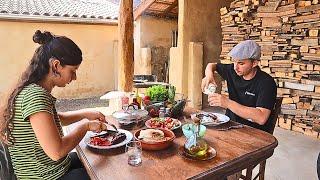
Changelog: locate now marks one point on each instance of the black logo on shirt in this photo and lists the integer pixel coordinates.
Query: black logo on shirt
(249, 93)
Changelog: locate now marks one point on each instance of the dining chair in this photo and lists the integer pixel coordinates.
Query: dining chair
(6, 169)
(262, 165)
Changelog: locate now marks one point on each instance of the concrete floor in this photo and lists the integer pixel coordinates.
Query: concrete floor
(295, 157)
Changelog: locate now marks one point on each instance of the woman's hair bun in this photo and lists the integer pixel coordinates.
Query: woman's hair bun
(42, 38)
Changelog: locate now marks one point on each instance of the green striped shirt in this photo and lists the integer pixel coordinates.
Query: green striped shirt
(28, 158)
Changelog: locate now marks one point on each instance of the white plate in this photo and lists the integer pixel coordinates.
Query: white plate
(129, 136)
(207, 121)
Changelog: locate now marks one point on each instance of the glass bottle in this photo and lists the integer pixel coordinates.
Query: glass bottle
(135, 102)
(195, 145)
(124, 102)
(162, 113)
(139, 99)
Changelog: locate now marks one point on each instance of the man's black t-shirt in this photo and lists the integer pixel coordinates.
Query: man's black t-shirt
(261, 91)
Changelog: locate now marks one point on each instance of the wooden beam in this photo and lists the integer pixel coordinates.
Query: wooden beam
(142, 7)
(126, 61)
(173, 5)
(163, 2)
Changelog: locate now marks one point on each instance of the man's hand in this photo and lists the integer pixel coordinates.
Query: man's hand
(206, 81)
(218, 100)
(209, 78)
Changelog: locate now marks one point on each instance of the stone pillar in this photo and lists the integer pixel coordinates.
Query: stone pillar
(145, 63)
(175, 70)
(195, 74)
(198, 21)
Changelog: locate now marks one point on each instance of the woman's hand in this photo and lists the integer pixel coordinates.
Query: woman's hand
(218, 100)
(96, 126)
(94, 115)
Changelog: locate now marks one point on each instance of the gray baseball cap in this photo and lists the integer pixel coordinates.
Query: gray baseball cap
(247, 49)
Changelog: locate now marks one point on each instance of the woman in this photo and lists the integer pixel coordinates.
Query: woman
(32, 126)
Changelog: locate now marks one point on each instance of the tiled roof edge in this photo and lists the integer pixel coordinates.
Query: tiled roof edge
(43, 19)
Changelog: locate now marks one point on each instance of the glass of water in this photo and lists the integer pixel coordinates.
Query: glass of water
(134, 151)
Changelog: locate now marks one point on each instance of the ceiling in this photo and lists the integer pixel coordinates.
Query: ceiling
(159, 8)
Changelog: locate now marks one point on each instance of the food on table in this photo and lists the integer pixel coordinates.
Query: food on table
(152, 135)
(177, 108)
(171, 93)
(146, 100)
(153, 112)
(107, 139)
(157, 93)
(167, 123)
(207, 117)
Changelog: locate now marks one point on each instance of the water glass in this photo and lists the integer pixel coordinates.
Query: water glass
(134, 151)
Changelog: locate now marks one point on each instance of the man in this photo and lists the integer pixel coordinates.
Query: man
(252, 92)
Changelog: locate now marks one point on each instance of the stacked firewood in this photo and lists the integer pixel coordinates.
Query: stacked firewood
(288, 33)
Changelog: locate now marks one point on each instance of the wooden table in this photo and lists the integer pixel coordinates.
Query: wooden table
(237, 149)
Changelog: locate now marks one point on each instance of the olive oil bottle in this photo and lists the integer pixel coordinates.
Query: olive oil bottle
(195, 145)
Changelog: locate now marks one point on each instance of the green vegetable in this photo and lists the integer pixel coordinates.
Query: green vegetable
(171, 93)
(157, 93)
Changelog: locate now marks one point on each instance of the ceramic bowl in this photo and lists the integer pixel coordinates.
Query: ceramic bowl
(160, 145)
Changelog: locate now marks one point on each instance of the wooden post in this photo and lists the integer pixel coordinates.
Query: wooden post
(126, 60)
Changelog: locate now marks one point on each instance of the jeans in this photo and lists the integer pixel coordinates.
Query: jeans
(76, 170)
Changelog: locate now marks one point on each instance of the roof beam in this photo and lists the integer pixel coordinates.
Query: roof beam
(164, 2)
(142, 7)
(173, 5)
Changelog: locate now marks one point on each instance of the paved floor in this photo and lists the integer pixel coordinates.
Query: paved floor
(294, 158)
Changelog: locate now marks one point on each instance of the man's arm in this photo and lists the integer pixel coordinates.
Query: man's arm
(210, 69)
(258, 115)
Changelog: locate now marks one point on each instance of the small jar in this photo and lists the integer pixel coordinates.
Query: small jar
(162, 112)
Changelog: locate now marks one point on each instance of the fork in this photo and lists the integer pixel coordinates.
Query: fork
(114, 126)
(231, 127)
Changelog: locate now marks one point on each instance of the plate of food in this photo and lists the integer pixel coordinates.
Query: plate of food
(165, 123)
(211, 119)
(154, 139)
(108, 139)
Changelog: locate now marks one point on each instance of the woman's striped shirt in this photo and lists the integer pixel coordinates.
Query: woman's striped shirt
(28, 158)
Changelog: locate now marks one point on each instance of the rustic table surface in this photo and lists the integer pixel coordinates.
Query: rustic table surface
(237, 149)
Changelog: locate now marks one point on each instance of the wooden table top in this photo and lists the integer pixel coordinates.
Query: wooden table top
(236, 149)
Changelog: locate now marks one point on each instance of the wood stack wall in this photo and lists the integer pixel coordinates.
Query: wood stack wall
(288, 33)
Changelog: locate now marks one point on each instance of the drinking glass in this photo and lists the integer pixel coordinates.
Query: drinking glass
(134, 151)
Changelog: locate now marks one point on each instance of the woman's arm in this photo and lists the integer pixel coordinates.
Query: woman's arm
(70, 117)
(47, 133)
